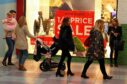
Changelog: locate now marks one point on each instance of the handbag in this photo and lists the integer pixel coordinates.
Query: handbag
(87, 42)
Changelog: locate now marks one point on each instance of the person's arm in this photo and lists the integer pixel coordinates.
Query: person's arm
(120, 31)
(28, 33)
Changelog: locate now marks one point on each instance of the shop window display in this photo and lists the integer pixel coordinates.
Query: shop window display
(49, 9)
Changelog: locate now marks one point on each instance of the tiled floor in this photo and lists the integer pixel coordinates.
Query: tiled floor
(33, 75)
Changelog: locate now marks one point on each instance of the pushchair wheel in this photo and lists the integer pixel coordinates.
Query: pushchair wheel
(44, 66)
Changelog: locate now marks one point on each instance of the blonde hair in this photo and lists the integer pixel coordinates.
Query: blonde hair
(99, 25)
(22, 21)
(9, 14)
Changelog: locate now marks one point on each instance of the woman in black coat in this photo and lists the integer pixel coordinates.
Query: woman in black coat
(66, 44)
(115, 33)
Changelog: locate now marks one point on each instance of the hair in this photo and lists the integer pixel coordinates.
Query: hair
(99, 25)
(12, 11)
(65, 21)
(116, 20)
(8, 14)
(22, 21)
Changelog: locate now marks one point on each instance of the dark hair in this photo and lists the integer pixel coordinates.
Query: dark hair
(65, 21)
(116, 20)
(12, 11)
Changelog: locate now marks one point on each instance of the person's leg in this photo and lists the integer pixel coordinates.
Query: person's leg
(23, 59)
(102, 67)
(8, 53)
(60, 64)
(111, 56)
(12, 49)
(69, 72)
(20, 54)
(86, 66)
(116, 58)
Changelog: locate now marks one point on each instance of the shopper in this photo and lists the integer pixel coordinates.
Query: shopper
(96, 49)
(66, 44)
(21, 41)
(9, 29)
(115, 34)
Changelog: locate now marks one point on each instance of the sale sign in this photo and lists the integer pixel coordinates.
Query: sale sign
(81, 22)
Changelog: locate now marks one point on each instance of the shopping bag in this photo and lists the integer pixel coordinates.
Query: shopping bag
(78, 44)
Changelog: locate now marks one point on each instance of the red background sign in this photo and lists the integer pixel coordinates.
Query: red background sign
(81, 22)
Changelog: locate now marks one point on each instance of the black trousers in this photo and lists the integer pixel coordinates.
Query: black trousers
(115, 59)
(89, 62)
(65, 53)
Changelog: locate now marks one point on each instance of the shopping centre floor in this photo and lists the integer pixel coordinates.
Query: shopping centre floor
(33, 75)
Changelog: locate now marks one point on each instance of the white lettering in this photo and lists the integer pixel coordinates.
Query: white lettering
(77, 30)
(87, 30)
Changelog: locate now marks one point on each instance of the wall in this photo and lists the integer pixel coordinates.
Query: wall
(122, 11)
(122, 14)
(5, 6)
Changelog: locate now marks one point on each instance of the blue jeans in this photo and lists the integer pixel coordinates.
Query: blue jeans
(10, 44)
(23, 54)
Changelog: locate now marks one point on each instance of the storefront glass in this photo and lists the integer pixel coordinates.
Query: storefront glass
(83, 13)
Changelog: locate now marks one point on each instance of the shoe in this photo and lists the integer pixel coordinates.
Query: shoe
(59, 74)
(22, 68)
(116, 65)
(70, 73)
(107, 77)
(4, 63)
(85, 76)
(9, 63)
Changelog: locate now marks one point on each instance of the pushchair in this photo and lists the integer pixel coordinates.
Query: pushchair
(43, 50)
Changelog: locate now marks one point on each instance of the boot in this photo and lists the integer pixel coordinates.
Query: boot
(22, 68)
(70, 73)
(107, 77)
(59, 74)
(4, 63)
(84, 76)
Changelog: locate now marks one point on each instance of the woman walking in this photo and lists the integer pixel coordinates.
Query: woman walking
(96, 49)
(66, 44)
(21, 41)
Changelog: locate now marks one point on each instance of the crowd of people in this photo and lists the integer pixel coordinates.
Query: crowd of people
(17, 31)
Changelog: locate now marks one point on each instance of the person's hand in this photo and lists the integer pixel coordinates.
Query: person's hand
(115, 34)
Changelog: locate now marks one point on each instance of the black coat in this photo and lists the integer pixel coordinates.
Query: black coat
(112, 30)
(65, 38)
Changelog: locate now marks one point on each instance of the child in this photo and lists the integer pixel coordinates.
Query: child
(9, 25)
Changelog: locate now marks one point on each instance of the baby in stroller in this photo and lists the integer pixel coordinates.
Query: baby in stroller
(43, 50)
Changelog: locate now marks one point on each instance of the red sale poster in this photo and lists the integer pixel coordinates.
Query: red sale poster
(81, 22)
